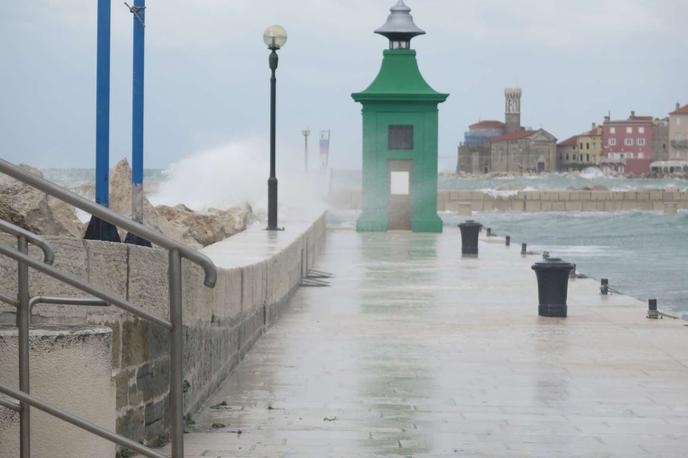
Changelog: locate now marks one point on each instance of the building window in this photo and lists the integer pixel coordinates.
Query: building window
(629, 130)
(574, 157)
(612, 142)
(641, 142)
(641, 130)
(628, 142)
(400, 137)
(567, 156)
(588, 158)
(587, 146)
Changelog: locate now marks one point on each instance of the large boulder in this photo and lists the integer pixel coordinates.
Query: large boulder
(206, 228)
(34, 210)
(197, 229)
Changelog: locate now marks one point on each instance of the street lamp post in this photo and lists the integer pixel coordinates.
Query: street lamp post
(306, 132)
(274, 37)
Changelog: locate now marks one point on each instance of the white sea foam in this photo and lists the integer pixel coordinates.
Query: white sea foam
(235, 175)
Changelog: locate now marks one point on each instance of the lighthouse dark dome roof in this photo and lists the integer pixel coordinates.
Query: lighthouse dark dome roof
(400, 25)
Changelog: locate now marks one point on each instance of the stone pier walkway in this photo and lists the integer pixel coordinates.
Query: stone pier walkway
(414, 351)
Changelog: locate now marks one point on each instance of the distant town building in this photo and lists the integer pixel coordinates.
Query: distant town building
(495, 146)
(627, 144)
(475, 154)
(660, 140)
(678, 134)
(581, 151)
(525, 151)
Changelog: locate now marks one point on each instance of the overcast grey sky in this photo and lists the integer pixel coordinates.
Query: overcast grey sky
(207, 75)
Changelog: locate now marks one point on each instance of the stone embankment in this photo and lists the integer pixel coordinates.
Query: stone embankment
(543, 201)
(258, 271)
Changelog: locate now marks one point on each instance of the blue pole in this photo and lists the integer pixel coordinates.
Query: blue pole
(103, 104)
(139, 17)
(98, 229)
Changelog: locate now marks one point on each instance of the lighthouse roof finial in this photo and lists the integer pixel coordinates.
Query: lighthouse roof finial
(400, 25)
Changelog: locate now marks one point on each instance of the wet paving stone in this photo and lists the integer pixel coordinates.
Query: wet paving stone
(416, 351)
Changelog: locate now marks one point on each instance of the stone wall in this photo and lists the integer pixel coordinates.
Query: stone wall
(221, 323)
(537, 201)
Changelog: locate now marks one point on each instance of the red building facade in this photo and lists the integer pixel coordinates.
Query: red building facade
(627, 144)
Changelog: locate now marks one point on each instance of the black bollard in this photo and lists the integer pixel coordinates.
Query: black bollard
(604, 286)
(553, 283)
(573, 272)
(507, 241)
(469, 237)
(524, 249)
(652, 312)
(489, 232)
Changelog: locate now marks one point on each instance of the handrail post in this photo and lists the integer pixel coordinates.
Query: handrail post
(23, 321)
(176, 354)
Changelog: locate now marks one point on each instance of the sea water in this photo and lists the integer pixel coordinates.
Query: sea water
(643, 254)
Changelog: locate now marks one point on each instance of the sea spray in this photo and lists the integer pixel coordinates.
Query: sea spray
(236, 174)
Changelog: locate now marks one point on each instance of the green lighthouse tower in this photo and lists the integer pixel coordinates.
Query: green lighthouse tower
(399, 137)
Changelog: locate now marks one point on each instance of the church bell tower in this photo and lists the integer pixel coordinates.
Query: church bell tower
(512, 109)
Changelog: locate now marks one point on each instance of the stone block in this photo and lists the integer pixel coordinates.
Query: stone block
(546, 206)
(574, 205)
(643, 195)
(592, 206)
(71, 258)
(564, 195)
(107, 266)
(517, 205)
(477, 196)
(618, 195)
(533, 205)
(583, 195)
(148, 280)
(489, 205)
(70, 368)
(612, 205)
(670, 196)
(630, 196)
(142, 342)
(656, 196)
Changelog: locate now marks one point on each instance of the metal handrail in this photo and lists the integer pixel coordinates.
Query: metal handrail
(48, 253)
(81, 301)
(78, 284)
(80, 422)
(112, 217)
(176, 251)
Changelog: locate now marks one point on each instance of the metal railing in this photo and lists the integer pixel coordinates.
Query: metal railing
(24, 304)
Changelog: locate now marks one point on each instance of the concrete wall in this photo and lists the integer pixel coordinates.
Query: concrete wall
(537, 201)
(221, 323)
(70, 368)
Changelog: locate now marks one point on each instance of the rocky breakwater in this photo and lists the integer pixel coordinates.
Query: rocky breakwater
(34, 210)
(41, 214)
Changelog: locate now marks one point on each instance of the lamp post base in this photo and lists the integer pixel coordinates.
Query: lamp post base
(272, 204)
(134, 239)
(101, 230)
